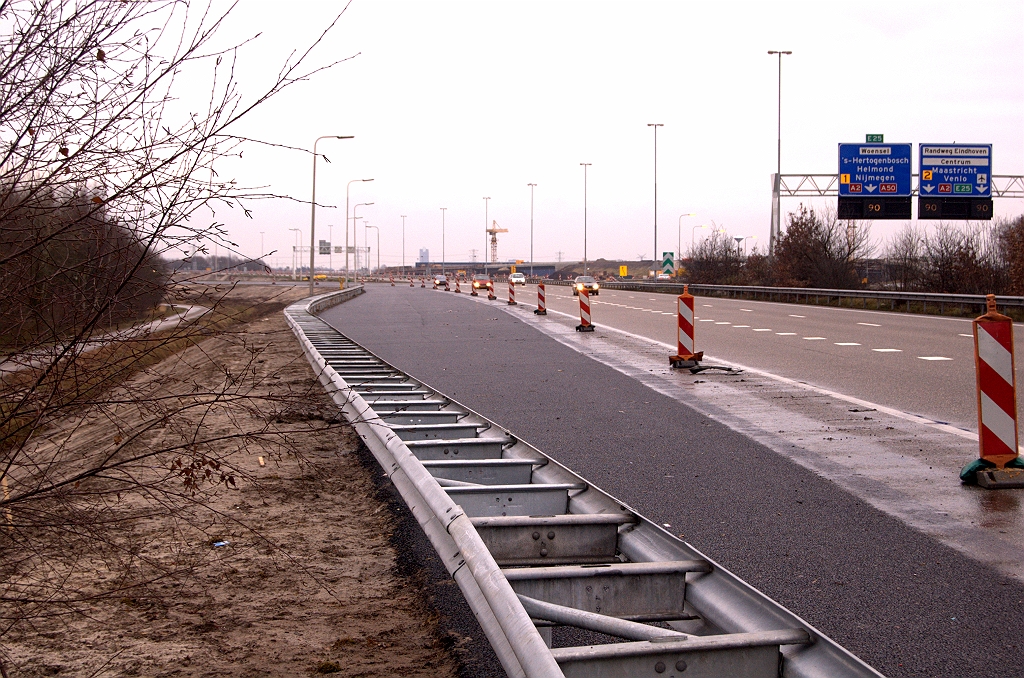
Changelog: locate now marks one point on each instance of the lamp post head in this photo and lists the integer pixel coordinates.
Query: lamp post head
(772, 51)
(366, 180)
(655, 124)
(337, 137)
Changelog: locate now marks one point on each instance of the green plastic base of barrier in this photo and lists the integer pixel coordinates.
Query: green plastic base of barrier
(969, 473)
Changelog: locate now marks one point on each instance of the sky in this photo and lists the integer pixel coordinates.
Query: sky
(449, 102)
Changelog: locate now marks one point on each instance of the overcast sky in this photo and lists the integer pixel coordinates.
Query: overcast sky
(453, 101)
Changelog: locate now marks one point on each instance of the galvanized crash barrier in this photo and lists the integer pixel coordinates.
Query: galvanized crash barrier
(533, 545)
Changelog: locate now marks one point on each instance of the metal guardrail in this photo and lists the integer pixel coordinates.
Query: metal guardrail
(795, 294)
(531, 544)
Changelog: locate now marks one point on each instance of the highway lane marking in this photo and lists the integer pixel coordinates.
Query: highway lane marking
(707, 305)
(747, 310)
(781, 334)
(932, 357)
(706, 320)
(763, 329)
(967, 335)
(663, 313)
(888, 350)
(723, 323)
(814, 338)
(793, 315)
(741, 325)
(906, 416)
(870, 324)
(846, 343)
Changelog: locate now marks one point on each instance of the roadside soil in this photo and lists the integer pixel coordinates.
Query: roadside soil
(292, 572)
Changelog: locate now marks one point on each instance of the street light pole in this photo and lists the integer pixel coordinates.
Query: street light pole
(679, 230)
(532, 186)
(693, 236)
(312, 217)
(355, 234)
(443, 210)
(353, 221)
(487, 223)
(585, 165)
(330, 247)
(296, 252)
(655, 125)
(775, 230)
(368, 227)
(403, 244)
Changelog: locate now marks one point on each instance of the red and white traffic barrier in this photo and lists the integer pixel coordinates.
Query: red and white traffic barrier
(458, 289)
(392, 280)
(585, 324)
(512, 294)
(542, 308)
(685, 357)
(997, 390)
(423, 283)
(435, 283)
(447, 285)
(412, 283)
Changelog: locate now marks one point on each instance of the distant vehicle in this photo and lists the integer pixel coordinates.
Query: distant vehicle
(440, 279)
(483, 281)
(664, 276)
(517, 278)
(320, 276)
(586, 282)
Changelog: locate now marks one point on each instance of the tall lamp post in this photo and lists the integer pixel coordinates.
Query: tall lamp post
(296, 253)
(443, 210)
(679, 230)
(330, 247)
(346, 221)
(368, 227)
(655, 125)
(532, 186)
(777, 184)
(585, 165)
(403, 244)
(312, 217)
(355, 232)
(693, 236)
(487, 223)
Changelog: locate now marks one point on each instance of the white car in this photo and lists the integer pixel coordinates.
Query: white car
(517, 278)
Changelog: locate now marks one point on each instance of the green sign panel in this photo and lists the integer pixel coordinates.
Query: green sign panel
(668, 262)
(874, 138)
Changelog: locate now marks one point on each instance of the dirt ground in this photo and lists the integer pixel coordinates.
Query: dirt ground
(293, 571)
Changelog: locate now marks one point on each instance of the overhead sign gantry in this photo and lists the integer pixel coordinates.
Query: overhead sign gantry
(875, 181)
(956, 181)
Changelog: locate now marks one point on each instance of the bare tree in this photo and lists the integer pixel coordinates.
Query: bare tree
(103, 174)
(715, 260)
(818, 250)
(904, 260)
(962, 260)
(1011, 244)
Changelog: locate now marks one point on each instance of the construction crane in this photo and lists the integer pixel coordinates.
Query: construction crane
(494, 231)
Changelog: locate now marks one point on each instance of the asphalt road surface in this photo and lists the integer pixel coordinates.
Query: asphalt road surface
(898, 598)
(921, 364)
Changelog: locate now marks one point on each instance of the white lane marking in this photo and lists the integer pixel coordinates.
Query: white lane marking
(723, 323)
(932, 357)
(869, 324)
(793, 315)
(663, 313)
(967, 335)
(906, 416)
(741, 325)
(847, 343)
(785, 334)
(814, 338)
(888, 350)
(706, 305)
(747, 310)
(763, 329)
(706, 320)
(632, 297)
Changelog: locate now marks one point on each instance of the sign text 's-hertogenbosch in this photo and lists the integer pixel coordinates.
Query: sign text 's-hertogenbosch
(956, 170)
(867, 170)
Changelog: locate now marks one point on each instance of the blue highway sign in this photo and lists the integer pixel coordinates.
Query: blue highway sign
(874, 170)
(956, 170)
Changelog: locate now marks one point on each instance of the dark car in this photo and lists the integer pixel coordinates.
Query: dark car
(482, 281)
(586, 282)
